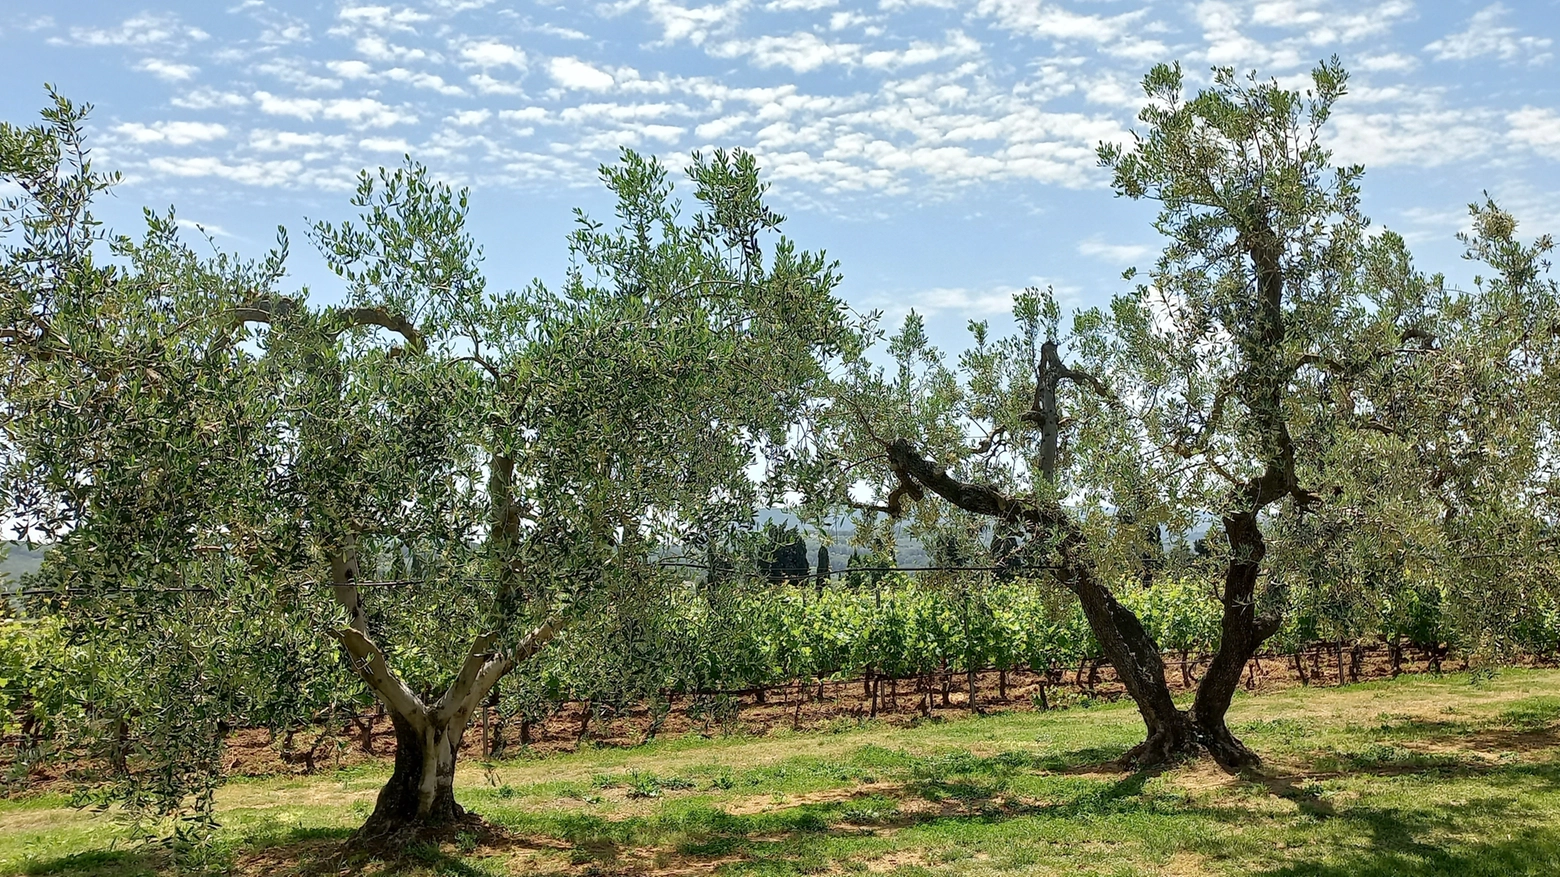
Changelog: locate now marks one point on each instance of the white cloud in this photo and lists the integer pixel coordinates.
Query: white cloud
(173, 133)
(252, 173)
(1226, 45)
(490, 53)
(167, 71)
(1314, 27)
(488, 85)
(379, 49)
(804, 5)
(801, 51)
(843, 20)
(576, 74)
(145, 30)
(964, 301)
(204, 228)
(717, 129)
(419, 79)
(1423, 138)
(694, 24)
(553, 30)
(385, 144)
(528, 114)
(301, 107)
(295, 141)
(1390, 61)
(285, 33)
(958, 45)
(350, 69)
(663, 133)
(296, 72)
(1050, 21)
(209, 99)
(367, 113)
(1485, 35)
(383, 17)
(1323, 22)
(1537, 129)
(364, 112)
(466, 118)
(1119, 253)
(804, 51)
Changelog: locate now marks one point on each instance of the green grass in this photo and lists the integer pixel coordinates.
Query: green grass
(1421, 775)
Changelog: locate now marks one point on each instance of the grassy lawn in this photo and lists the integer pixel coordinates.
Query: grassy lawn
(1421, 775)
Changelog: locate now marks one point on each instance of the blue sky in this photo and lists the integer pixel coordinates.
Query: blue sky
(943, 151)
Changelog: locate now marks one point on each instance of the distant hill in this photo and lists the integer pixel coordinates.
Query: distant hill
(908, 552)
(19, 560)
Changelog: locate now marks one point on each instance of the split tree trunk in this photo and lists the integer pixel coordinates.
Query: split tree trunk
(421, 790)
(1242, 632)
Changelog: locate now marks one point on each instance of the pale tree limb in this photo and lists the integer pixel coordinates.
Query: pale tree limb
(457, 704)
(477, 657)
(368, 659)
(375, 672)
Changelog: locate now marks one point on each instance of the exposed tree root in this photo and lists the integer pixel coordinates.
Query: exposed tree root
(393, 839)
(1183, 739)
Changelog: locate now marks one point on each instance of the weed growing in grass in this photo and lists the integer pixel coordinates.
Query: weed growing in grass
(643, 785)
(1481, 677)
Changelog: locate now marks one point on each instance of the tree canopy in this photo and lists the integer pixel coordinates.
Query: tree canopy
(436, 476)
(1282, 390)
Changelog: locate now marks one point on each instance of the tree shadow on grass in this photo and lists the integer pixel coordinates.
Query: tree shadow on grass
(101, 863)
(1401, 843)
(958, 794)
(814, 837)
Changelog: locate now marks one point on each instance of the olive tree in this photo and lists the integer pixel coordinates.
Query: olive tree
(1448, 488)
(416, 487)
(1220, 395)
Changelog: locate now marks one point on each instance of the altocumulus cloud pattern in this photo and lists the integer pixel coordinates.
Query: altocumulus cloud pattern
(862, 113)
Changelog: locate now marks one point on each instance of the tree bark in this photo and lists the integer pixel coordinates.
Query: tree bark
(1242, 632)
(1135, 657)
(421, 790)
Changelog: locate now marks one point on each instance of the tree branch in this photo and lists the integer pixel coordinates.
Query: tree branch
(270, 309)
(369, 662)
(477, 657)
(975, 498)
(497, 665)
(385, 320)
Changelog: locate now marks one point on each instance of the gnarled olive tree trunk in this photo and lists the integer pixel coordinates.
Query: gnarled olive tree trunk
(421, 791)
